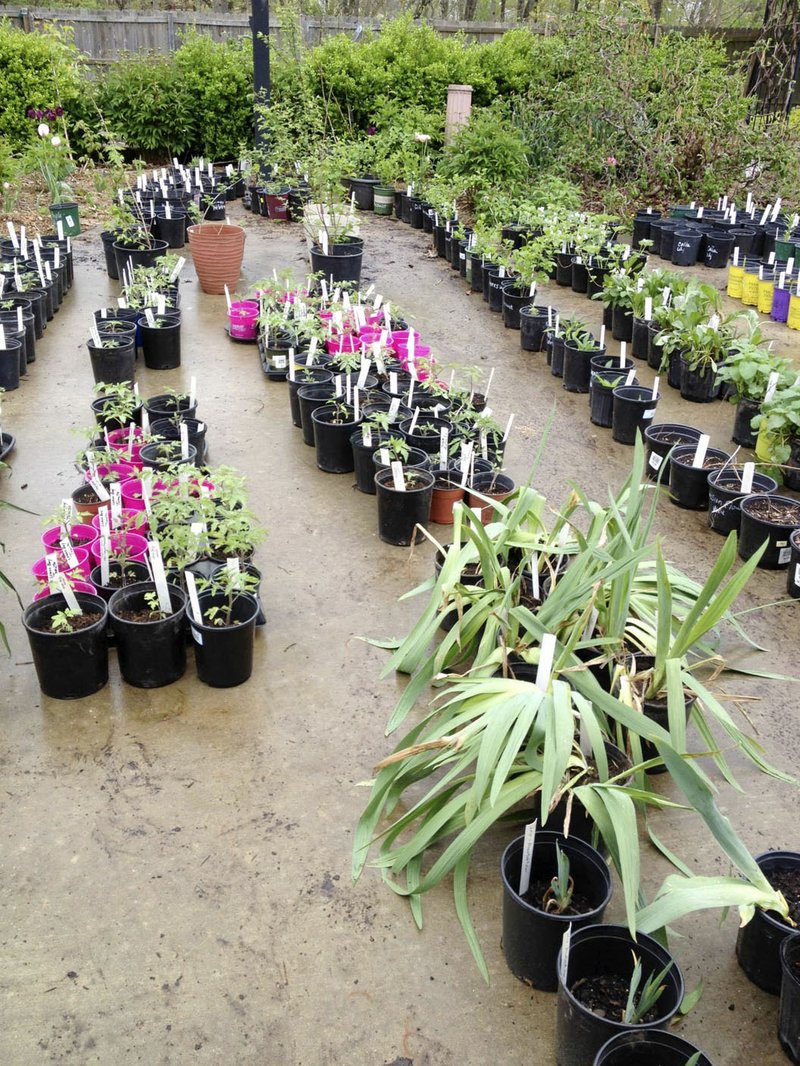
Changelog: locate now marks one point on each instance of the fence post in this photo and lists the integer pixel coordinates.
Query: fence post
(172, 43)
(27, 20)
(459, 106)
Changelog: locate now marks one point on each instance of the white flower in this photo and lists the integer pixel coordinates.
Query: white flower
(422, 138)
(43, 129)
(6, 184)
(55, 141)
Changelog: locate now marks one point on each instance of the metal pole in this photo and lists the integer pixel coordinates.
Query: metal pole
(259, 25)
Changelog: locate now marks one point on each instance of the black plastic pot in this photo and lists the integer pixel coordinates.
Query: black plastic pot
(718, 246)
(332, 440)
(640, 338)
(496, 283)
(532, 325)
(758, 943)
(655, 352)
(686, 247)
(161, 344)
(165, 406)
(161, 455)
(577, 368)
(363, 190)
(641, 226)
(608, 949)
(172, 230)
(113, 365)
(486, 273)
(688, 485)
(513, 301)
(793, 570)
(476, 272)
(531, 936)
(337, 266)
(10, 357)
(168, 429)
(108, 238)
(789, 1011)
(580, 276)
(660, 440)
(309, 398)
(136, 571)
(134, 257)
(363, 464)
(151, 654)
(68, 666)
(654, 1047)
(601, 394)
(557, 355)
(399, 513)
(633, 411)
(564, 269)
(224, 654)
(310, 376)
(697, 385)
(743, 433)
(622, 324)
(725, 496)
(27, 335)
(426, 442)
(754, 530)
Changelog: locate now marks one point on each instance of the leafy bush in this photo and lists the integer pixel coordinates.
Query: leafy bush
(487, 151)
(197, 102)
(40, 71)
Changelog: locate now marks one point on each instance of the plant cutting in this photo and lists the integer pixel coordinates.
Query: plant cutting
(117, 405)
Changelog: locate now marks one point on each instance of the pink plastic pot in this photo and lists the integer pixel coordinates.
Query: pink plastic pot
(134, 544)
(400, 336)
(123, 471)
(131, 493)
(39, 568)
(76, 586)
(243, 320)
(131, 520)
(343, 342)
(80, 535)
(118, 440)
(421, 352)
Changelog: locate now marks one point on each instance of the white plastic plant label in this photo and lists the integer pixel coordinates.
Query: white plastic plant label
(797, 573)
(51, 564)
(337, 386)
(648, 308)
(105, 574)
(655, 461)
(115, 491)
(410, 398)
(366, 436)
(444, 437)
(394, 408)
(68, 550)
(183, 429)
(414, 419)
(747, 477)
(772, 384)
(362, 374)
(509, 424)
(397, 476)
(12, 233)
(631, 375)
(159, 577)
(191, 588)
(527, 857)
(784, 555)
(563, 957)
(654, 393)
(547, 649)
(384, 456)
(393, 381)
(700, 450)
(66, 591)
(489, 384)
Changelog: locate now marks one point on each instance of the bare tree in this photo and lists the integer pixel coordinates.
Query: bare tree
(775, 61)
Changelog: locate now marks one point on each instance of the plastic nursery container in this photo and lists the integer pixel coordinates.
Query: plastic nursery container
(634, 408)
(79, 534)
(243, 320)
(68, 666)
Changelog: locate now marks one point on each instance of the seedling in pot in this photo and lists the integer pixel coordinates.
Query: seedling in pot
(558, 897)
(230, 583)
(61, 622)
(153, 605)
(119, 401)
(639, 1004)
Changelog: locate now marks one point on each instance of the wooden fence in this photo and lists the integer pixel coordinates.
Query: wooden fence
(104, 35)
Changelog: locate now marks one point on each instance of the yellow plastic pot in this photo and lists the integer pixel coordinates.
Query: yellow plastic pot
(793, 321)
(735, 280)
(765, 442)
(750, 283)
(766, 290)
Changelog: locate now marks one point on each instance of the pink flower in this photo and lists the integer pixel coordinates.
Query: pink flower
(612, 161)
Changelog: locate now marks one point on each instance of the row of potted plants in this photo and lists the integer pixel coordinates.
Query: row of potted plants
(152, 547)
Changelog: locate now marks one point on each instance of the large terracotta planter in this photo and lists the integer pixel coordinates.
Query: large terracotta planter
(217, 250)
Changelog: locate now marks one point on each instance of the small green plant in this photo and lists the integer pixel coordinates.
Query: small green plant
(558, 897)
(397, 449)
(229, 583)
(153, 603)
(120, 401)
(640, 1003)
(61, 622)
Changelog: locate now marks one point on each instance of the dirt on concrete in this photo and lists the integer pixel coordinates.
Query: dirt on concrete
(177, 862)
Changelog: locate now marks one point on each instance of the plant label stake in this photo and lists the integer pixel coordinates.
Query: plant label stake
(394, 407)
(348, 388)
(148, 314)
(648, 308)
(527, 857)
(547, 649)
(488, 384)
(563, 963)
(790, 265)
(191, 588)
(602, 334)
(623, 351)
(366, 436)
(51, 562)
(68, 550)
(700, 451)
(776, 210)
(95, 335)
(397, 476)
(393, 381)
(192, 391)
(183, 429)
(65, 589)
(535, 587)
(228, 298)
(654, 394)
(384, 456)
(747, 477)
(631, 375)
(362, 374)
(410, 400)
(159, 577)
(20, 323)
(443, 442)
(772, 384)
(356, 411)
(146, 488)
(105, 575)
(115, 491)
(508, 427)
(414, 418)
(337, 386)
(12, 234)
(484, 446)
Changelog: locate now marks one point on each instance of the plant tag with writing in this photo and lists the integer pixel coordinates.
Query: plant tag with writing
(66, 591)
(159, 577)
(384, 456)
(394, 408)
(183, 429)
(362, 374)
(535, 587)
(700, 450)
(191, 588)
(392, 381)
(654, 394)
(12, 233)
(623, 353)
(366, 436)
(115, 491)
(444, 435)
(105, 575)
(563, 956)
(747, 477)
(527, 857)
(772, 384)
(337, 386)
(397, 476)
(631, 376)
(410, 400)
(414, 418)
(68, 550)
(51, 564)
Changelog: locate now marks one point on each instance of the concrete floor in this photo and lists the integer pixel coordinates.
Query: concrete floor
(176, 863)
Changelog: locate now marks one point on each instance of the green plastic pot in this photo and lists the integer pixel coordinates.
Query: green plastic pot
(384, 199)
(69, 215)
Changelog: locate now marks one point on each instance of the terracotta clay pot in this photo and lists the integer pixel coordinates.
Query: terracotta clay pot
(217, 250)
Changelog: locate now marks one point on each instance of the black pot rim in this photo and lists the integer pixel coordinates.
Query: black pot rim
(753, 497)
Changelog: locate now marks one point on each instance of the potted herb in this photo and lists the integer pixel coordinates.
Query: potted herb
(150, 637)
(334, 423)
(223, 620)
(404, 502)
(69, 644)
(117, 405)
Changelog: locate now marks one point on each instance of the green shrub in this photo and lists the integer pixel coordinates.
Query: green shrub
(39, 71)
(487, 151)
(196, 102)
